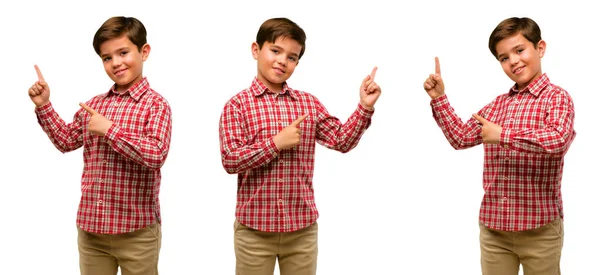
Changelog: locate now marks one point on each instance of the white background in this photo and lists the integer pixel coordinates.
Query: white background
(403, 202)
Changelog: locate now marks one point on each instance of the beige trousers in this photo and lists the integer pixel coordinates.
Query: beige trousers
(136, 253)
(538, 250)
(256, 251)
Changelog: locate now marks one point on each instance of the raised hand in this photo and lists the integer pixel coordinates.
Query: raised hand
(369, 90)
(289, 136)
(490, 132)
(39, 91)
(98, 125)
(434, 85)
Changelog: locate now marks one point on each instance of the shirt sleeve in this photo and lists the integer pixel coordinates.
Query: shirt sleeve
(332, 134)
(554, 139)
(460, 135)
(151, 148)
(237, 153)
(65, 137)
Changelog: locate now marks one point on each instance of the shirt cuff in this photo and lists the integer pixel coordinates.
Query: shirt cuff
(505, 138)
(44, 111)
(440, 102)
(113, 133)
(364, 112)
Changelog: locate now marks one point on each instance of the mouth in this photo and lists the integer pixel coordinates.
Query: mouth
(120, 72)
(518, 70)
(279, 70)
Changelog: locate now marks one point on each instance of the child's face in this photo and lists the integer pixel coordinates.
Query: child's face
(276, 61)
(520, 60)
(123, 62)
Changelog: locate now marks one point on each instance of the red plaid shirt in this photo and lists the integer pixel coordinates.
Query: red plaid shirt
(275, 190)
(121, 174)
(522, 174)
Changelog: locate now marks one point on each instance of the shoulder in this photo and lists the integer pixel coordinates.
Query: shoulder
(239, 100)
(156, 97)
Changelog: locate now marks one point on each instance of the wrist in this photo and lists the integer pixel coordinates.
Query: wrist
(370, 108)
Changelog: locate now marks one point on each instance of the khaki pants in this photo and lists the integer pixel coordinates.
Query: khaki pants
(256, 251)
(538, 250)
(135, 252)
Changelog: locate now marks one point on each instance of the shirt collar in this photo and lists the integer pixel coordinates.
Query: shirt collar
(136, 91)
(535, 88)
(258, 88)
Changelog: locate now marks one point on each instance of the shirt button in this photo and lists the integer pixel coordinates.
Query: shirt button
(100, 180)
(99, 201)
(280, 180)
(505, 178)
(505, 199)
(506, 146)
(280, 200)
(506, 159)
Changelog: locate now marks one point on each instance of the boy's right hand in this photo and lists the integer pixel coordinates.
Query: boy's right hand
(39, 91)
(434, 85)
(289, 136)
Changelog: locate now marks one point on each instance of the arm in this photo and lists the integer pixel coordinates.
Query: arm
(237, 155)
(460, 135)
(152, 147)
(332, 134)
(65, 137)
(554, 139)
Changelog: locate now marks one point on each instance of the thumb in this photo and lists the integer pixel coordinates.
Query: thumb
(297, 121)
(88, 109)
(480, 119)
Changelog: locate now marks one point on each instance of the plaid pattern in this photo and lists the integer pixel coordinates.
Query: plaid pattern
(522, 174)
(275, 189)
(121, 174)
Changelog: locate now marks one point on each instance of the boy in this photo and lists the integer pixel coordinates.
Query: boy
(267, 134)
(526, 134)
(125, 134)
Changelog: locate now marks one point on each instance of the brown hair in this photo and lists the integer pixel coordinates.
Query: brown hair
(275, 28)
(116, 27)
(514, 25)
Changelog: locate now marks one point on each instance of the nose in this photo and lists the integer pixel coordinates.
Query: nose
(514, 59)
(116, 61)
(281, 59)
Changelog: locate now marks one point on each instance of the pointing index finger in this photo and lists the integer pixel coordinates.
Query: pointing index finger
(373, 73)
(479, 118)
(39, 73)
(438, 71)
(300, 119)
(88, 109)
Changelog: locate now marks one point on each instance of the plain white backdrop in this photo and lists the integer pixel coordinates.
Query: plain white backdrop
(402, 202)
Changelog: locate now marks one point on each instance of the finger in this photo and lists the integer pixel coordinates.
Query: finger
(373, 87)
(39, 73)
(300, 119)
(480, 119)
(438, 71)
(88, 109)
(373, 72)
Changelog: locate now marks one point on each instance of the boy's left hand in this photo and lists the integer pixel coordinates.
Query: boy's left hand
(369, 91)
(98, 125)
(490, 132)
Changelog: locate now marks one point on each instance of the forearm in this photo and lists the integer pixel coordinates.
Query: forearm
(65, 137)
(240, 159)
(332, 134)
(460, 135)
(149, 151)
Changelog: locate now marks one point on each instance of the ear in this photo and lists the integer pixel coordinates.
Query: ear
(255, 50)
(145, 51)
(541, 48)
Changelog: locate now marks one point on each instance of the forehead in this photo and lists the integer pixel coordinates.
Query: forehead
(510, 42)
(115, 44)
